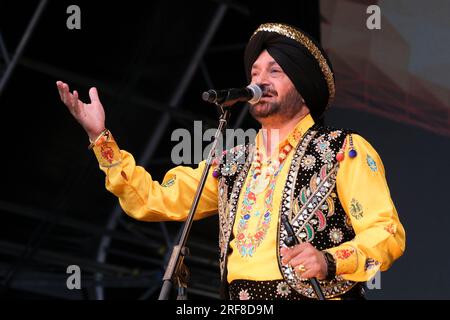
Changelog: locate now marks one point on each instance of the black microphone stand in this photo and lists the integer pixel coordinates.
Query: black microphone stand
(176, 270)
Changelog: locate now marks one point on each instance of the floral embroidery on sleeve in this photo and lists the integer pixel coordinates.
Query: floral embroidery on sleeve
(356, 209)
(372, 164)
(343, 254)
(371, 264)
(392, 228)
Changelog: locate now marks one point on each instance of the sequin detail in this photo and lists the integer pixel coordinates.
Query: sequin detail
(336, 235)
(372, 164)
(308, 162)
(169, 182)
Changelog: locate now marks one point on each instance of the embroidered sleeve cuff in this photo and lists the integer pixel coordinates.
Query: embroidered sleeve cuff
(107, 151)
(346, 259)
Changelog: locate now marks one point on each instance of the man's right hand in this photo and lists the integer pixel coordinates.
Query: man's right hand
(91, 116)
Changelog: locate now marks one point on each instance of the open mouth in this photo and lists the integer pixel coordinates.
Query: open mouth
(268, 95)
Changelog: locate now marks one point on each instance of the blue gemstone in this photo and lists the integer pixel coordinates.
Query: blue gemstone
(267, 214)
(247, 216)
(352, 153)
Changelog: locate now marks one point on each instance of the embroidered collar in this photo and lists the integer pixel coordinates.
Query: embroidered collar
(292, 138)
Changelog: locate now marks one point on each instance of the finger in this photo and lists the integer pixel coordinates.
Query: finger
(80, 104)
(289, 253)
(59, 91)
(309, 254)
(301, 258)
(66, 95)
(66, 87)
(75, 97)
(59, 85)
(302, 269)
(311, 272)
(93, 95)
(75, 103)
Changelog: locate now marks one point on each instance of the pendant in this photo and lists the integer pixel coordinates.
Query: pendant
(260, 184)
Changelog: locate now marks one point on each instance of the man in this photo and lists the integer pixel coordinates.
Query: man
(328, 183)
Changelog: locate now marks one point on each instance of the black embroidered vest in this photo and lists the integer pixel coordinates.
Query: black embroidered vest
(309, 200)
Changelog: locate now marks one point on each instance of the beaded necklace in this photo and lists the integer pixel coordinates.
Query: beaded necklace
(246, 242)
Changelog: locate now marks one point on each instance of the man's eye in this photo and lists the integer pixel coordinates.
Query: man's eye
(275, 70)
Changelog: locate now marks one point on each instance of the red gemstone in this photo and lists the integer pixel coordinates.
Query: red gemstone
(340, 156)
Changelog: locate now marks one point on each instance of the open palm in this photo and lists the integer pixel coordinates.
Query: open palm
(91, 116)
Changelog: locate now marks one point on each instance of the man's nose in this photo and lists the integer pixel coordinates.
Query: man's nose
(261, 79)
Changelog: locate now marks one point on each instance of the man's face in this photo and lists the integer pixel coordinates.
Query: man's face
(280, 99)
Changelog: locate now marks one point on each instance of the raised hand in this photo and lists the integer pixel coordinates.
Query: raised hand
(91, 116)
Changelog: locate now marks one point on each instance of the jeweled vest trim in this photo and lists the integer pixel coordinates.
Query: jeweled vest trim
(309, 200)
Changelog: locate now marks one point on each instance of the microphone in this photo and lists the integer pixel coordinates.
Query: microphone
(252, 94)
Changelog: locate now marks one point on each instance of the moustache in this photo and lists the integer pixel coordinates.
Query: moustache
(268, 91)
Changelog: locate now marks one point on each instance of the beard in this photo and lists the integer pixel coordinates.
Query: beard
(286, 107)
(263, 110)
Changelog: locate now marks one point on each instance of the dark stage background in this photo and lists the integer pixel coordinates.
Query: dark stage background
(150, 62)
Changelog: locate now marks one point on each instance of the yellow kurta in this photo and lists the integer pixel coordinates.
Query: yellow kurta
(361, 186)
(262, 264)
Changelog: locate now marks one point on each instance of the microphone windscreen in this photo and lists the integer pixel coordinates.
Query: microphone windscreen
(257, 93)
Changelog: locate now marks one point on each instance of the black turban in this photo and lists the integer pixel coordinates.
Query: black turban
(300, 57)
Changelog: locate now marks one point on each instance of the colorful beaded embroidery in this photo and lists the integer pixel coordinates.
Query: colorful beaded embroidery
(247, 243)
